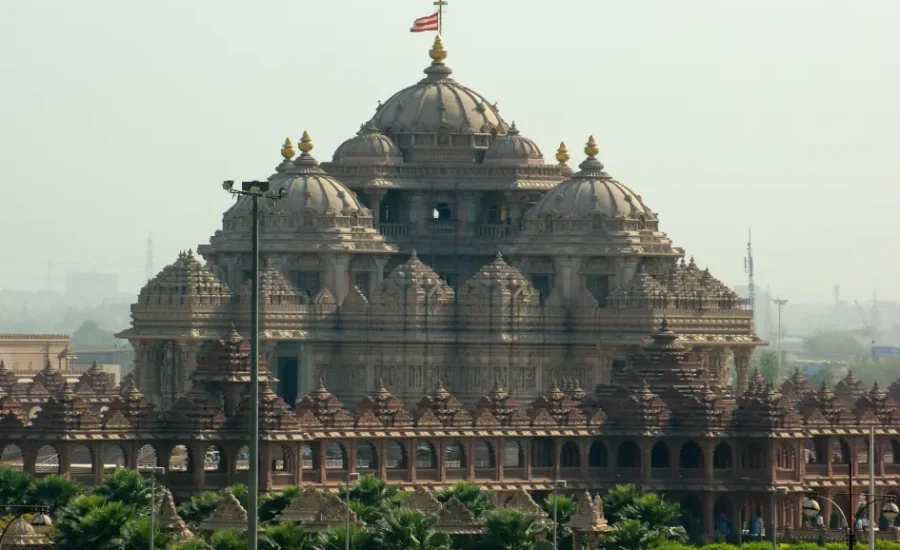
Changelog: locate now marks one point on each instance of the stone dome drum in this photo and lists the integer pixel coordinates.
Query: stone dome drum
(368, 146)
(310, 190)
(438, 112)
(588, 193)
(513, 149)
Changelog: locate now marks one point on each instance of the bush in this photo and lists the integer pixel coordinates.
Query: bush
(886, 545)
(678, 546)
(719, 546)
(757, 546)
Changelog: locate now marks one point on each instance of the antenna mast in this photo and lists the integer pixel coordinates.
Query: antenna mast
(748, 267)
(148, 266)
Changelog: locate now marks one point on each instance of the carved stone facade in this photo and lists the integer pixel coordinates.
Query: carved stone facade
(438, 245)
(663, 421)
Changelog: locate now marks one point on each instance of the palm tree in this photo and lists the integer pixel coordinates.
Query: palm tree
(92, 522)
(470, 495)
(405, 529)
(336, 538)
(272, 504)
(510, 530)
(288, 536)
(656, 515)
(127, 487)
(136, 535)
(14, 485)
(630, 534)
(54, 492)
(617, 499)
(371, 498)
(565, 509)
(228, 540)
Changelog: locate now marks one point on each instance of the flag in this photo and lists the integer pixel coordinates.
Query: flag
(424, 24)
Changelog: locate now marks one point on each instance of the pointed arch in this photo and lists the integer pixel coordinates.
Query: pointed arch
(11, 457)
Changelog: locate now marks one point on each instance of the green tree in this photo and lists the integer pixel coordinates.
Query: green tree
(630, 534)
(512, 530)
(272, 504)
(53, 492)
(128, 487)
(470, 495)
(14, 486)
(405, 529)
(336, 538)
(90, 521)
(228, 540)
(90, 336)
(565, 509)
(200, 507)
(136, 535)
(371, 498)
(767, 364)
(289, 536)
(617, 499)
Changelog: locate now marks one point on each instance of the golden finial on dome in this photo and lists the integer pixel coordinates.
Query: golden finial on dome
(591, 148)
(306, 143)
(562, 154)
(437, 52)
(287, 150)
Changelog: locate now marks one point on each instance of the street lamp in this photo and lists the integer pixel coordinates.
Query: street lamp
(890, 511)
(255, 190)
(154, 471)
(557, 484)
(350, 479)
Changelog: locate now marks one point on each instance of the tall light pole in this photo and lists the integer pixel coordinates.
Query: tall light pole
(780, 302)
(350, 479)
(154, 471)
(255, 190)
(557, 484)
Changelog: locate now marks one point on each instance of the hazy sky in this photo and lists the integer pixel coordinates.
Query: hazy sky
(118, 118)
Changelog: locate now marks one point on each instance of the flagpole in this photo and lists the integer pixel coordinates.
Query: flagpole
(440, 6)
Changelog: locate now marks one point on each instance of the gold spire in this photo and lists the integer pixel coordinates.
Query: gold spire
(287, 150)
(306, 143)
(437, 52)
(562, 154)
(591, 148)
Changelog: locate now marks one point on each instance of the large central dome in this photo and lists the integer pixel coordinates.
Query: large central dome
(438, 111)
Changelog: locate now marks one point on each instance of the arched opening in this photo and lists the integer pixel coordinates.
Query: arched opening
(785, 457)
(47, 460)
(113, 458)
(181, 460)
(242, 460)
(282, 459)
(542, 453)
(691, 517)
(569, 455)
(493, 209)
(722, 515)
(426, 459)
(840, 452)
(484, 455)
(442, 212)
(597, 457)
(146, 457)
(659, 455)
(396, 457)
(307, 457)
(691, 456)
(214, 460)
(392, 208)
(512, 455)
(82, 460)
(366, 457)
(335, 457)
(12, 458)
(629, 455)
(454, 456)
(753, 458)
(722, 457)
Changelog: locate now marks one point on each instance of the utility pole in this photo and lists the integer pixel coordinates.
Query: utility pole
(780, 303)
(254, 190)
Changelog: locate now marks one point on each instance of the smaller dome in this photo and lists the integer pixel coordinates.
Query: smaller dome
(369, 146)
(513, 149)
(590, 192)
(310, 190)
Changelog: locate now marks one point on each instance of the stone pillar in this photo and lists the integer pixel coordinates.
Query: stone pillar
(709, 453)
(826, 508)
(442, 467)
(321, 450)
(265, 467)
(198, 453)
(709, 518)
(411, 459)
(566, 272)
(468, 212)
(584, 446)
(527, 457)
(374, 197)
(65, 462)
(742, 368)
(470, 455)
(382, 459)
(339, 265)
(98, 449)
(350, 449)
(517, 203)
(557, 449)
(499, 457)
(416, 212)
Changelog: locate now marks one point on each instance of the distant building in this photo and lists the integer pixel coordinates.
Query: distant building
(29, 353)
(91, 287)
